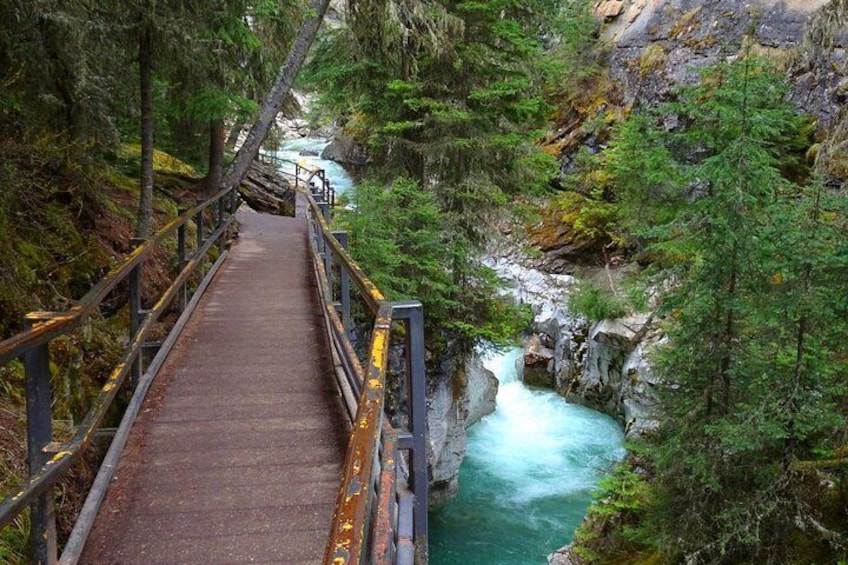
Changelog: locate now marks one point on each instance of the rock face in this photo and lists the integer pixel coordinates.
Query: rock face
(658, 44)
(617, 377)
(604, 365)
(293, 125)
(344, 150)
(457, 398)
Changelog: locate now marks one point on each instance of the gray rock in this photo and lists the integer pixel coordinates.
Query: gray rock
(604, 366)
(659, 44)
(538, 364)
(460, 397)
(481, 391)
(564, 556)
(344, 150)
(447, 439)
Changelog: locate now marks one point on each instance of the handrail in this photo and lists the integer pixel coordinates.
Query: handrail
(47, 460)
(381, 508)
(58, 324)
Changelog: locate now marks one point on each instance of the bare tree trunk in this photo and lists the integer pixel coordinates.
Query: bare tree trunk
(233, 136)
(216, 156)
(145, 65)
(274, 101)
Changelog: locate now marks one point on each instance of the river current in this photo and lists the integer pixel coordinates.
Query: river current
(527, 477)
(308, 150)
(531, 466)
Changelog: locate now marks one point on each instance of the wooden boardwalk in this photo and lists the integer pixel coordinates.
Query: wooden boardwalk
(236, 456)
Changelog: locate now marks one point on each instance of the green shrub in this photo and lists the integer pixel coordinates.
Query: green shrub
(597, 303)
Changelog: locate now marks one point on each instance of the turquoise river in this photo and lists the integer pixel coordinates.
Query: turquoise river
(530, 468)
(527, 477)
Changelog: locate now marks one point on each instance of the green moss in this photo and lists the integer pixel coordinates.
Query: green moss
(654, 57)
(597, 303)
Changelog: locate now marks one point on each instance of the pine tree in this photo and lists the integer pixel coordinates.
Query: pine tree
(448, 94)
(753, 358)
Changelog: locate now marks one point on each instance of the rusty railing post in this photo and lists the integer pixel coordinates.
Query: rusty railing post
(39, 399)
(344, 283)
(198, 220)
(413, 315)
(134, 281)
(181, 260)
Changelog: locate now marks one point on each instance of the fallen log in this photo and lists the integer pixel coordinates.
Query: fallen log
(266, 190)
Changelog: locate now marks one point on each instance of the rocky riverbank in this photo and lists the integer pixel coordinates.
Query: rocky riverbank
(603, 365)
(460, 396)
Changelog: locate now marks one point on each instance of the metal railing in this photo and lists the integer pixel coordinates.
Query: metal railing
(381, 509)
(49, 460)
(313, 177)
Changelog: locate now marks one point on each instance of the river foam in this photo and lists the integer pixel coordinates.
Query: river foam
(527, 477)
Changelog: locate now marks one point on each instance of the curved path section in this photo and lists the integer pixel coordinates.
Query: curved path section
(236, 456)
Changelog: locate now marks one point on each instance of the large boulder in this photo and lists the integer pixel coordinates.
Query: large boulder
(538, 364)
(458, 397)
(345, 150)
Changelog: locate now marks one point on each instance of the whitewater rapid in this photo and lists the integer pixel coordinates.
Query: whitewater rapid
(527, 477)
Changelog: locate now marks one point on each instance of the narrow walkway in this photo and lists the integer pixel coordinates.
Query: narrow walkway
(236, 456)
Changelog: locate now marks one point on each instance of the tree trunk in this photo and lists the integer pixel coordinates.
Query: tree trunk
(232, 138)
(216, 156)
(274, 101)
(145, 65)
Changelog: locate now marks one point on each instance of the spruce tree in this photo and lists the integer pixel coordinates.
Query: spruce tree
(448, 94)
(753, 362)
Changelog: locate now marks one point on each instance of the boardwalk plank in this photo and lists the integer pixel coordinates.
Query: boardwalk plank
(236, 457)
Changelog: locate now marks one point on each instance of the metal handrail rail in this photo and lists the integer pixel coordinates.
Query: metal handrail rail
(378, 517)
(61, 323)
(328, 191)
(49, 461)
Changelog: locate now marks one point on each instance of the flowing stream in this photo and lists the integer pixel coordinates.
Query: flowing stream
(308, 150)
(530, 468)
(527, 477)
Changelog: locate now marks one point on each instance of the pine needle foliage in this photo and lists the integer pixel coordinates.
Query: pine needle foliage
(449, 96)
(755, 361)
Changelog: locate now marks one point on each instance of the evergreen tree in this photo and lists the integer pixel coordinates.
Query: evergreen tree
(753, 360)
(447, 94)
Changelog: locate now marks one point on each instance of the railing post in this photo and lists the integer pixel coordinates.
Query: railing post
(221, 212)
(198, 220)
(39, 399)
(413, 314)
(296, 175)
(344, 283)
(181, 259)
(328, 266)
(135, 314)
